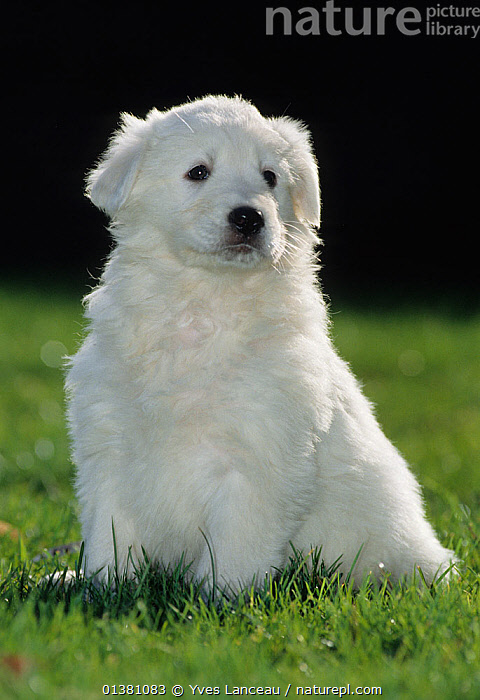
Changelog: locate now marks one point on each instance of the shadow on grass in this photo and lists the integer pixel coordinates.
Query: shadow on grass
(157, 596)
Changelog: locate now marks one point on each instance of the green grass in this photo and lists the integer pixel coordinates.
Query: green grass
(306, 629)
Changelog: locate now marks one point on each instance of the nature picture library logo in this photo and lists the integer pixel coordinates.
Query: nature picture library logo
(337, 19)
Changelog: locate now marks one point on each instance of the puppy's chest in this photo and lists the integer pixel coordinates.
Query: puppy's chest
(212, 359)
(242, 386)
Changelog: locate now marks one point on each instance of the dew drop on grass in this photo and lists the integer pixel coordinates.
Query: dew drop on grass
(25, 460)
(44, 449)
(411, 363)
(52, 353)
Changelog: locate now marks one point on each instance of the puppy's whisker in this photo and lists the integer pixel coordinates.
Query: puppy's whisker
(290, 248)
(307, 231)
(294, 232)
(292, 224)
(293, 243)
(184, 122)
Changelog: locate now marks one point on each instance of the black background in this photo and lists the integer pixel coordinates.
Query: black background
(394, 120)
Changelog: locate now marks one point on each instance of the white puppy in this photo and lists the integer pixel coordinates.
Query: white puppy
(207, 401)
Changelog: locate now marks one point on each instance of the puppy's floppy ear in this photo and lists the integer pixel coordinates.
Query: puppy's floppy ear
(109, 184)
(306, 189)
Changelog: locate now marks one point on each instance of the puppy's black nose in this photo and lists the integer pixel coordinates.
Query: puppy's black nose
(246, 220)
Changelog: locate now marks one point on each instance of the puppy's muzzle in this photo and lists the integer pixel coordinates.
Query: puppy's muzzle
(246, 223)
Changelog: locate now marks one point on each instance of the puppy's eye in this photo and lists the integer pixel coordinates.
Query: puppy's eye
(270, 178)
(199, 172)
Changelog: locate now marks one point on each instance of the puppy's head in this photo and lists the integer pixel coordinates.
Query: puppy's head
(211, 182)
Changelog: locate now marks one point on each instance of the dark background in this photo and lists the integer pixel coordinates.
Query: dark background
(394, 119)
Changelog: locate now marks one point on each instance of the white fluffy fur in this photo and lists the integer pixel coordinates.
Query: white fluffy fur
(207, 399)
